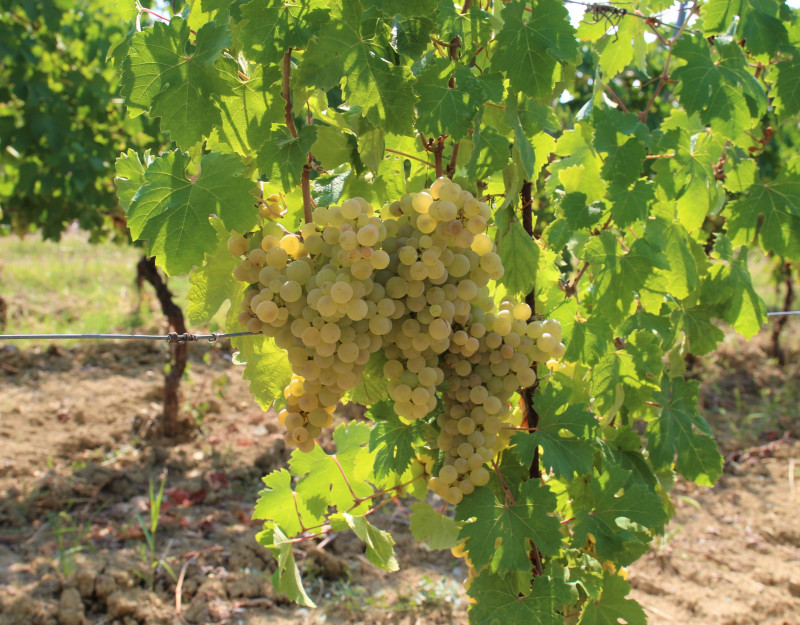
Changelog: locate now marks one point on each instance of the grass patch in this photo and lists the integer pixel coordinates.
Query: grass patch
(75, 287)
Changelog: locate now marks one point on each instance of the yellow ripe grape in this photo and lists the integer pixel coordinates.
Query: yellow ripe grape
(467, 486)
(546, 342)
(292, 244)
(421, 202)
(277, 257)
(449, 191)
(380, 325)
(380, 260)
(482, 244)
(351, 208)
(341, 292)
(552, 327)
(437, 186)
(439, 329)
(479, 476)
(426, 223)
(448, 474)
(453, 496)
(446, 211)
(307, 446)
(267, 311)
(368, 235)
(477, 225)
(237, 244)
(522, 311)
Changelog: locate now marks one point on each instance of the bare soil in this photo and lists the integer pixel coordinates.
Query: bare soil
(77, 457)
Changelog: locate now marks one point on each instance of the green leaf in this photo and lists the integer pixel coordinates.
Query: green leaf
(283, 156)
(270, 27)
(286, 578)
(619, 275)
(769, 212)
(499, 529)
(247, 111)
(394, 440)
(342, 54)
(612, 606)
(611, 505)
(171, 78)
(565, 455)
(171, 211)
(530, 45)
(213, 283)
(629, 205)
(576, 149)
(498, 600)
(277, 503)
(444, 108)
(520, 256)
(332, 147)
(787, 86)
(129, 176)
(688, 176)
(380, 544)
(577, 214)
(723, 90)
(373, 386)
(681, 434)
(760, 25)
(267, 369)
(431, 527)
(331, 480)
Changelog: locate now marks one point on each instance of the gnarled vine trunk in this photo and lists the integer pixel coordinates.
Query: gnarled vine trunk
(171, 425)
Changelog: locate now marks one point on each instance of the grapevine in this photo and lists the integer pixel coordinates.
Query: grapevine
(501, 231)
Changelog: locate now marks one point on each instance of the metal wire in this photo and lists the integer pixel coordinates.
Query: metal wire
(172, 337)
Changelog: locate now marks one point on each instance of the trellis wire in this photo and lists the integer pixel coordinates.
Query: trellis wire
(174, 337)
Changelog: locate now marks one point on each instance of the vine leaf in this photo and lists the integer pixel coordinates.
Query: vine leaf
(443, 109)
(175, 80)
(498, 600)
(269, 27)
(283, 156)
(286, 578)
(380, 544)
(723, 91)
(267, 368)
(342, 53)
(520, 256)
(760, 26)
(612, 606)
(566, 455)
(247, 111)
(787, 86)
(611, 506)
(427, 525)
(171, 210)
(530, 45)
(394, 440)
(277, 502)
(770, 211)
(500, 531)
(331, 480)
(682, 435)
(213, 283)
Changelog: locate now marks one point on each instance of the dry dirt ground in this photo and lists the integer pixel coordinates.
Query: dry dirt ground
(76, 462)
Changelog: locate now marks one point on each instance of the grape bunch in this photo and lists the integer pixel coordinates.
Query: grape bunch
(414, 283)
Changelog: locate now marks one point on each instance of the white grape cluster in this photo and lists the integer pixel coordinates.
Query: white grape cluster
(413, 283)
